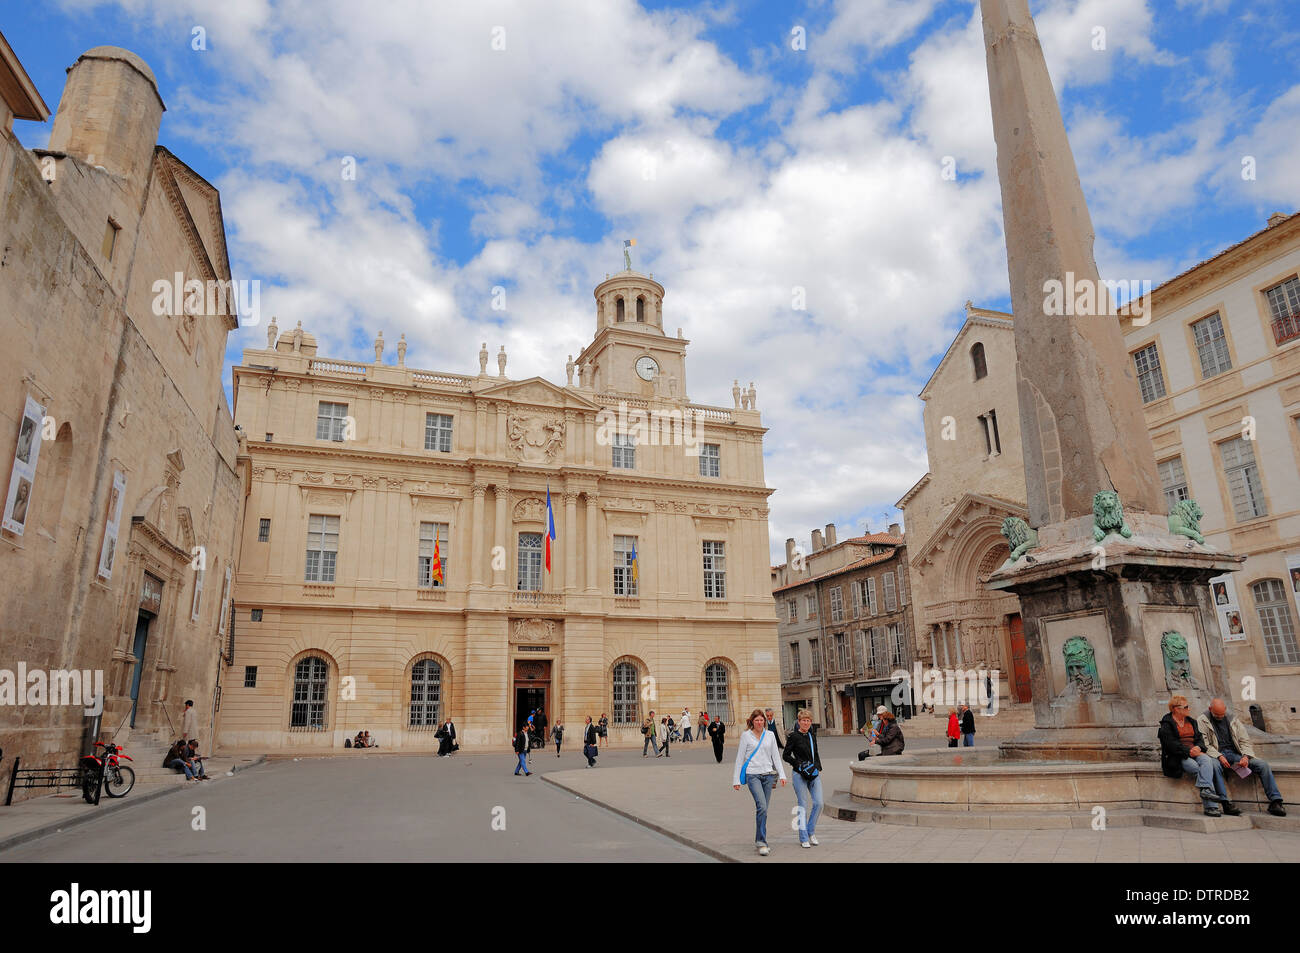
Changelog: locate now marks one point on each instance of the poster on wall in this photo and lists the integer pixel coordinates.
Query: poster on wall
(23, 477)
(1293, 575)
(1223, 593)
(108, 551)
(225, 602)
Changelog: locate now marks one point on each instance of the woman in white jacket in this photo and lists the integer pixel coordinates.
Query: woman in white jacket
(760, 761)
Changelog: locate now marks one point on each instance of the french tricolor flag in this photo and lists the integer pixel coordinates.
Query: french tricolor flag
(550, 527)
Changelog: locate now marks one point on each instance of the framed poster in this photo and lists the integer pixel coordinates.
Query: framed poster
(115, 501)
(1223, 593)
(18, 501)
(1293, 575)
(225, 602)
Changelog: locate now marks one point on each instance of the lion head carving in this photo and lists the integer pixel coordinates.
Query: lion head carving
(1108, 516)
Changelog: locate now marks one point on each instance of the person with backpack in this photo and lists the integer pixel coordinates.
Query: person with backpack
(651, 731)
(802, 753)
(758, 766)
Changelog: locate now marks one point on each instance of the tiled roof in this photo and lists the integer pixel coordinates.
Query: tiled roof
(860, 564)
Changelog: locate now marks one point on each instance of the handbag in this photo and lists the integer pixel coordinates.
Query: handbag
(589, 751)
(744, 768)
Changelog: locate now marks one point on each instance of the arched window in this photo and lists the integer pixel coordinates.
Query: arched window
(626, 696)
(426, 693)
(640, 309)
(717, 699)
(310, 691)
(619, 311)
(977, 359)
(1275, 622)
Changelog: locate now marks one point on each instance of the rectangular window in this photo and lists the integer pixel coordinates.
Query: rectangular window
(810, 606)
(437, 432)
(624, 451)
(871, 595)
(250, 676)
(843, 659)
(891, 598)
(322, 548)
(263, 530)
(1274, 608)
(1211, 346)
(837, 605)
(988, 437)
(715, 569)
(626, 572)
(530, 562)
(431, 534)
(993, 425)
(869, 648)
(1174, 481)
(198, 596)
(1147, 362)
(794, 661)
(1284, 303)
(710, 459)
(270, 437)
(815, 655)
(110, 239)
(792, 607)
(896, 638)
(855, 588)
(255, 615)
(1243, 479)
(330, 421)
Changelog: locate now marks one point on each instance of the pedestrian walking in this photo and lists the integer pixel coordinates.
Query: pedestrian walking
(758, 766)
(521, 749)
(771, 726)
(667, 724)
(967, 726)
(686, 725)
(718, 734)
(703, 726)
(802, 754)
(650, 729)
(447, 738)
(604, 729)
(590, 744)
(558, 734)
(954, 728)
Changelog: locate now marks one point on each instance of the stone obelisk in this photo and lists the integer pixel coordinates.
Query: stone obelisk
(1117, 613)
(1080, 413)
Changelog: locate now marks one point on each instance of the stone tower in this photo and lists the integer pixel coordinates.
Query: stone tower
(110, 113)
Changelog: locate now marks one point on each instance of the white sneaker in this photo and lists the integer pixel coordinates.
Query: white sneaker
(764, 850)
(813, 841)
(806, 844)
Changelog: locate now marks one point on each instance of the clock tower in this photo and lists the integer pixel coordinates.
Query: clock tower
(630, 353)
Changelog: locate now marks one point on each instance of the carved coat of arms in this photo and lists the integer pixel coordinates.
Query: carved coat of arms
(535, 438)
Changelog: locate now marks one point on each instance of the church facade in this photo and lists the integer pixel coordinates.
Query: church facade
(397, 565)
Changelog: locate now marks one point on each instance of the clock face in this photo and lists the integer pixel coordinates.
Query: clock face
(646, 368)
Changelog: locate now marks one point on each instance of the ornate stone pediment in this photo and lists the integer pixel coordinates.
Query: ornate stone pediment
(535, 438)
(538, 392)
(534, 630)
(530, 509)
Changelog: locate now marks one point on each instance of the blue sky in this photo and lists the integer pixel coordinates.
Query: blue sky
(746, 168)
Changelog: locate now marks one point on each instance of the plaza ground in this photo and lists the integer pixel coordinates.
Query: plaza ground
(377, 806)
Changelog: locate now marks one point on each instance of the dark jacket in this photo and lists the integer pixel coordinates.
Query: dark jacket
(771, 726)
(891, 737)
(1172, 748)
(718, 731)
(801, 748)
(589, 736)
(521, 742)
(179, 750)
(968, 722)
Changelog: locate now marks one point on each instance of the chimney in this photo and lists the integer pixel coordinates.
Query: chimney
(830, 534)
(895, 530)
(1277, 218)
(789, 551)
(816, 540)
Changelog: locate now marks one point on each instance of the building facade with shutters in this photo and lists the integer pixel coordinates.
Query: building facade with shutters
(395, 546)
(1216, 358)
(844, 627)
(123, 474)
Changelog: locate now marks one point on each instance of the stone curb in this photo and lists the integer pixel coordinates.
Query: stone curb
(673, 835)
(106, 806)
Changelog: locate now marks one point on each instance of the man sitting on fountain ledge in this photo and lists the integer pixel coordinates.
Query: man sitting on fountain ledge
(1182, 750)
(1226, 741)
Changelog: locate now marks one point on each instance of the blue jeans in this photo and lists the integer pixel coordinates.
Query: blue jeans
(686, 733)
(968, 739)
(760, 786)
(1209, 774)
(1260, 767)
(649, 743)
(178, 763)
(807, 792)
(523, 762)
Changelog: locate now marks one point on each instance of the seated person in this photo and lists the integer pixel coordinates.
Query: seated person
(1182, 750)
(178, 757)
(1226, 742)
(196, 760)
(360, 740)
(890, 738)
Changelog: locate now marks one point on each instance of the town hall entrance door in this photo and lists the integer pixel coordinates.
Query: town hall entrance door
(532, 684)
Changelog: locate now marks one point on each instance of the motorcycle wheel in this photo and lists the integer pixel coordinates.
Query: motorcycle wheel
(119, 781)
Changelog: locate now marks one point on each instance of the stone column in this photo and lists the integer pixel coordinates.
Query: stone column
(956, 638)
(943, 634)
(480, 428)
(478, 529)
(500, 447)
(593, 521)
(571, 544)
(934, 650)
(502, 517)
